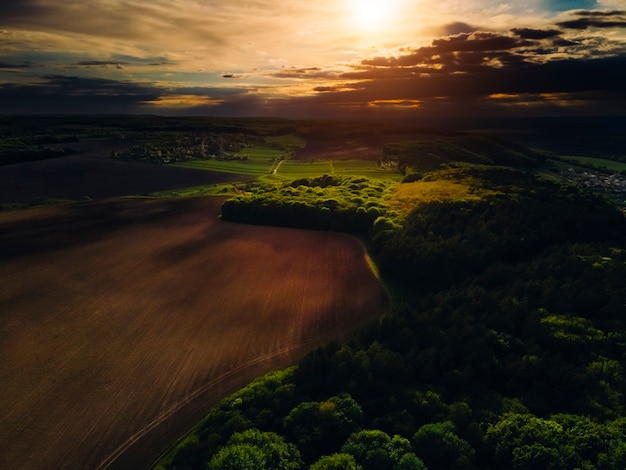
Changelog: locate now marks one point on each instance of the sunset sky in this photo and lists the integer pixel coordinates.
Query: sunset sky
(314, 58)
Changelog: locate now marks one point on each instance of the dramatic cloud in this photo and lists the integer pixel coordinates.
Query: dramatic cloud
(70, 94)
(596, 19)
(5, 65)
(529, 33)
(296, 58)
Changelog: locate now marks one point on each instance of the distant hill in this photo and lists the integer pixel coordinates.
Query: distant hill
(429, 152)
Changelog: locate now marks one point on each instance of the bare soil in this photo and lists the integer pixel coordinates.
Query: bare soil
(353, 148)
(122, 322)
(90, 173)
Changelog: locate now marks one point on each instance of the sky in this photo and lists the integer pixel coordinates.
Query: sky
(314, 58)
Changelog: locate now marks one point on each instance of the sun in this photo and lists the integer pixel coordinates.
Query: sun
(372, 14)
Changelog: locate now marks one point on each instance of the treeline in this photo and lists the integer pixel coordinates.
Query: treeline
(11, 152)
(505, 349)
(347, 204)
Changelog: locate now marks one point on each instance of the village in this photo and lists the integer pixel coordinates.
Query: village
(597, 180)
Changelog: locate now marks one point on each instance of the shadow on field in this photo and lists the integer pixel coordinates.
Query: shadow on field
(124, 321)
(76, 224)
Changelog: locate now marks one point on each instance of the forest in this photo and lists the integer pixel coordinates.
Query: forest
(503, 347)
(504, 343)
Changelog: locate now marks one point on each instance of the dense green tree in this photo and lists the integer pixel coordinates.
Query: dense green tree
(319, 428)
(254, 449)
(238, 457)
(439, 447)
(504, 347)
(337, 461)
(525, 441)
(376, 450)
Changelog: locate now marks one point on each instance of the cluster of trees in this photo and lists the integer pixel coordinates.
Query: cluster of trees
(19, 152)
(31, 143)
(504, 349)
(348, 204)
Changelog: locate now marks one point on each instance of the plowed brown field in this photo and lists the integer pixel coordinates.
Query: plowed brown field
(122, 322)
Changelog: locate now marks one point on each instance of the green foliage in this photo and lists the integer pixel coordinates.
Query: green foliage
(375, 450)
(504, 349)
(255, 449)
(20, 150)
(563, 442)
(439, 447)
(525, 441)
(238, 457)
(328, 202)
(336, 461)
(321, 427)
(441, 244)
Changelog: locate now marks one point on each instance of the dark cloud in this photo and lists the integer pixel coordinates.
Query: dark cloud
(63, 94)
(304, 72)
(7, 65)
(70, 94)
(377, 73)
(100, 63)
(562, 42)
(17, 10)
(478, 41)
(565, 76)
(130, 59)
(208, 92)
(596, 19)
(473, 68)
(605, 13)
(458, 28)
(242, 105)
(458, 53)
(529, 33)
(584, 23)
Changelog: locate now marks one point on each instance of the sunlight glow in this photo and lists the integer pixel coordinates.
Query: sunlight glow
(373, 14)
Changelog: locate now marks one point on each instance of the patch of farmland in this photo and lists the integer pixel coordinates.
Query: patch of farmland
(251, 166)
(597, 162)
(122, 322)
(353, 148)
(92, 174)
(293, 169)
(366, 168)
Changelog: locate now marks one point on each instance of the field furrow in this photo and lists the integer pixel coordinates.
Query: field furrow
(147, 314)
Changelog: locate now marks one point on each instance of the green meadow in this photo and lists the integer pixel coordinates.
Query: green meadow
(275, 164)
(600, 163)
(253, 165)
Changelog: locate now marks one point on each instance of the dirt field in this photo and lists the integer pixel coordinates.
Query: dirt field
(354, 148)
(123, 321)
(92, 174)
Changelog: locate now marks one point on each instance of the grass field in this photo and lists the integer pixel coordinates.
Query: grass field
(597, 162)
(293, 169)
(121, 317)
(407, 196)
(252, 166)
(269, 170)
